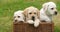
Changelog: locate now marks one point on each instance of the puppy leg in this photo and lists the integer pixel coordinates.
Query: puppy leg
(30, 22)
(45, 18)
(36, 23)
(48, 20)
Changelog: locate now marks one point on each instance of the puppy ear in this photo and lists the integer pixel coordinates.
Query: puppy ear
(45, 5)
(25, 12)
(38, 14)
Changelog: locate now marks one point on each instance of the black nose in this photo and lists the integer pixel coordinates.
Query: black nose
(15, 20)
(33, 18)
(55, 13)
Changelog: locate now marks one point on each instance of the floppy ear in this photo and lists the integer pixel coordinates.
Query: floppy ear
(25, 12)
(45, 6)
(38, 13)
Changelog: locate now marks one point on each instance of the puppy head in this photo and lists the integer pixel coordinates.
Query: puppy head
(31, 13)
(50, 7)
(18, 16)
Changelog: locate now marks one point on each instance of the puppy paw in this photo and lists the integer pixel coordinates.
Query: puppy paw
(36, 23)
(30, 22)
(48, 21)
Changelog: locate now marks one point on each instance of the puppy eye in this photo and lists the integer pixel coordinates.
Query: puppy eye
(52, 8)
(30, 13)
(18, 16)
(34, 13)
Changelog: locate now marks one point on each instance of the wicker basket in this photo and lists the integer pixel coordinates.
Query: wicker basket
(25, 27)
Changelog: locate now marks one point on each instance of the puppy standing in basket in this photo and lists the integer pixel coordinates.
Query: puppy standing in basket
(47, 11)
(18, 16)
(32, 15)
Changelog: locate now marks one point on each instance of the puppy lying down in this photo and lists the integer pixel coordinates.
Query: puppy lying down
(18, 16)
(47, 11)
(32, 16)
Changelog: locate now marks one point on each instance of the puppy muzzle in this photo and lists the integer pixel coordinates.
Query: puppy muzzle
(15, 20)
(33, 18)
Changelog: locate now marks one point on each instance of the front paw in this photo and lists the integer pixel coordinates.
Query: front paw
(30, 22)
(48, 21)
(36, 23)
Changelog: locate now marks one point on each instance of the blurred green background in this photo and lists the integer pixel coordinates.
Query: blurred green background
(8, 7)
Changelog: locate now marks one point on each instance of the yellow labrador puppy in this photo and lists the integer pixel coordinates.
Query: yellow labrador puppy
(32, 15)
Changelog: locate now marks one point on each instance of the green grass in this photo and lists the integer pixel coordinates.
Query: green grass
(8, 7)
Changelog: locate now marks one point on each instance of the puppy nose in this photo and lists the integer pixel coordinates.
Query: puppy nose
(15, 20)
(55, 12)
(33, 18)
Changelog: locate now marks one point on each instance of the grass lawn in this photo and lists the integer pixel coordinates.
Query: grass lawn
(8, 7)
